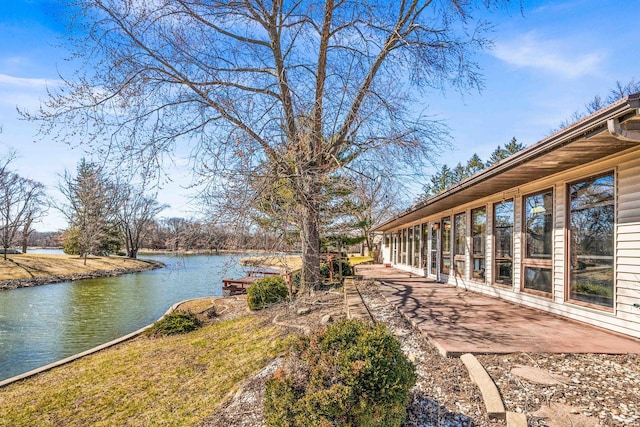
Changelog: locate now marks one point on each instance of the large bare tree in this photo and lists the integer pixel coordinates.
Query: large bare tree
(136, 213)
(303, 86)
(22, 200)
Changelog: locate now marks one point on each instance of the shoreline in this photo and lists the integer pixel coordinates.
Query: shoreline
(6, 285)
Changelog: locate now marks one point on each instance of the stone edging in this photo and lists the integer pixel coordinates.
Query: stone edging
(87, 352)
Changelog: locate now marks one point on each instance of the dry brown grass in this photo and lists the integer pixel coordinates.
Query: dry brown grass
(283, 263)
(26, 266)
(177, 380)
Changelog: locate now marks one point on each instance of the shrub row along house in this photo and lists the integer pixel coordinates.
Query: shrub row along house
(555, 226)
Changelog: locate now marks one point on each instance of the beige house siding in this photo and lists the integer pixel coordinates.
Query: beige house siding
(624, 318)
(628, 241)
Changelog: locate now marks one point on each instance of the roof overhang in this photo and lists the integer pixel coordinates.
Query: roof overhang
(608, 131)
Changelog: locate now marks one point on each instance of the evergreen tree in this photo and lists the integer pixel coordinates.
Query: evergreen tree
(459, 174)
(513, 147)
(446, 178)
(91, 210)
(498, 154)
(474, 165)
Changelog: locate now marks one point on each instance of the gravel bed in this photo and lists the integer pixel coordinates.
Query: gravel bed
(605, 388)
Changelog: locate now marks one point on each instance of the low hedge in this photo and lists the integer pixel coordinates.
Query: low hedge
(349, 374)
(177, 322)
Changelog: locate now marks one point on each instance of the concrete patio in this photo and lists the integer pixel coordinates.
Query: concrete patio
(458, 321)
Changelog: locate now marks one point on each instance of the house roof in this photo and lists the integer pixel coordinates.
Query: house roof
(582, 142)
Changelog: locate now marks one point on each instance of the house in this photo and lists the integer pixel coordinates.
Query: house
(555, 226)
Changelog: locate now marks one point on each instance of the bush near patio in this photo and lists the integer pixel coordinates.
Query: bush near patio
(349, 374)
(266, 291)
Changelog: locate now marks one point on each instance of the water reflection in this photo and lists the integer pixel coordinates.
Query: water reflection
(43, 324)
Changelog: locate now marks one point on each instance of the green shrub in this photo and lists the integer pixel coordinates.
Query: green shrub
(346, 268)
(266, 291)
(177, 322)
(350, 374)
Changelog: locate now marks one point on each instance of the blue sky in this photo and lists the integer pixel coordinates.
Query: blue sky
(548, 60)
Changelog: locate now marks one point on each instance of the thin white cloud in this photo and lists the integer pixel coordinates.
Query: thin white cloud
(557, 57)
(25, 82)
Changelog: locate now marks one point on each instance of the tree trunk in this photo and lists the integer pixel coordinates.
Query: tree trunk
(310, 234)
(26, 230)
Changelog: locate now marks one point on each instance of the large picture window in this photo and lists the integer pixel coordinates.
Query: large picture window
(478, 240)
(445, 254)
(591, 231)
(503, 243)
(460, 243)
(538, 229)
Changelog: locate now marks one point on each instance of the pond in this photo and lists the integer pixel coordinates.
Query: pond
(43, 324)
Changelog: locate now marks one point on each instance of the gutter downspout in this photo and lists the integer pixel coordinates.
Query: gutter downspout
(613, 125)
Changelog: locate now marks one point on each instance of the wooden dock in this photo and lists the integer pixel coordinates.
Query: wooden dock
(239, 286)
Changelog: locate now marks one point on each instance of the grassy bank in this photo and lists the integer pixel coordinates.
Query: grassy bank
(175, 380)
(289, 262)
(36, 266)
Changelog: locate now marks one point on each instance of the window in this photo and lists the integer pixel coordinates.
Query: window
(394, 249)
(416, 246)
(387, 238)
(478, 238)
(445, 254)
(403, 259)
(425, 246)
(503, 243)
(460, 243)
(591, 231)
(538, 229)
(434, 248)
(410, 245)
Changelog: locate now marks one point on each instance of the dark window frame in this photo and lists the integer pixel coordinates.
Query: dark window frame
(446, 244)
(478, 255)
(536, 263)
(569, 254)
(460, 258)
(496, 258)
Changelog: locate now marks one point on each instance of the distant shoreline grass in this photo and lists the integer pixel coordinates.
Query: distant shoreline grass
(24, 270)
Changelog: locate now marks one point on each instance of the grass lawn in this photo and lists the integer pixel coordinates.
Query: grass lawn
(278, 262)
(175, 380)
(355, 260)
(26, 266)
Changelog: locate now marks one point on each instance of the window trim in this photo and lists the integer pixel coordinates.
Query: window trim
(525, 262)
(567, 241)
